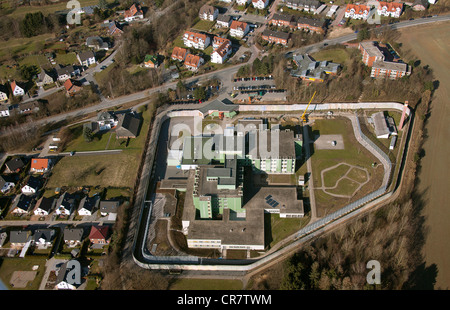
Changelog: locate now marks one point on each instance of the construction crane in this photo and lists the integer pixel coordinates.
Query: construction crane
(304, 113)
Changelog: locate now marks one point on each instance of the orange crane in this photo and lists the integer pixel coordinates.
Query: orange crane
(304, 113)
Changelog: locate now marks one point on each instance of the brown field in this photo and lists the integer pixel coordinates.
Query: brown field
(431, 44)
(115, 170)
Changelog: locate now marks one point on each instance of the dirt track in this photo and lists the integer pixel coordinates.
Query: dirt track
(431, 44)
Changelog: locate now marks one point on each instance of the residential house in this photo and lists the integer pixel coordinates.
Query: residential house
(208, 12)
(99, 234)
(283, 20)
(179, 53)
(223, 21)
(277, 37)
(420, 5)
(107, 120)
(260, 4)
(86, 58)
(151, 61)
(4, 110)
(18, 238)
(73, 236)
(128, 126)
(315, 25)
(43, 238)
(114, 29)
(14, 165)
(357, 11)
(40, 165)
(6, 183)
(72, 87)
(133, 13)
(97, 43)
(108, 207)
(239, 29)
(16, 89)
(64, 73)
(193, 62)
(392, 9)
(32, 186)
(65, 204)
(44, 78)
(305, 5)
(196, 40)
(3, 93)
(44, 206)
(222, 49)
(88, 205)
(370, 53)
(22, 205)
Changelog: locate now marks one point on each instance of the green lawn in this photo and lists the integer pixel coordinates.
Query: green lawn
(203, 25)
(277, 229)
(66, 59)
(353, 154)
(337, 55)
(9, 265)
(21, 11)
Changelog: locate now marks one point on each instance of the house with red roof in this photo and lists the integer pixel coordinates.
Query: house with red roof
(179, 53)
(72, 87)
(222, 48)
(40, 165)
(355, 11)
(196, 40)
(135, 12)
(99, 235)
(16, 89)
(239, 29)
(193, 62)
(392, 9)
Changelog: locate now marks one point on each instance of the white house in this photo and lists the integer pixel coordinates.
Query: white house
(31, 186)
(135, 12)
(196, 40)
(208, 12)
(260, 4)
(43, 237)
(239, 29)
(22, 205)
(86, 58)
(16, 89)
(62, 279)
(88, 205)
(354, 11)
(222, 49)
(65, 204)
(44, 206)
(223, 21)
(193, 62)
(4, 111)
(6, 184)
(3, 93)
(107, 120)
(392, 9)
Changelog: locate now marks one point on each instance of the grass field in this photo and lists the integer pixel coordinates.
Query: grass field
(337, 55)
(353, 154)
(431, 44)
(21, 11)
(8, 266)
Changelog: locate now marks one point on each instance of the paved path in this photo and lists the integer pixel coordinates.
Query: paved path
(325, 188)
